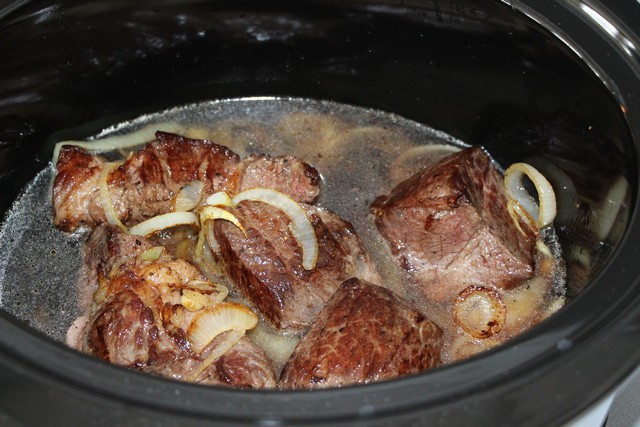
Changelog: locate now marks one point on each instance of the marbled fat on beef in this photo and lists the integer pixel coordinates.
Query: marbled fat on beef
(450, 228)
(266, 264)
(364, 334)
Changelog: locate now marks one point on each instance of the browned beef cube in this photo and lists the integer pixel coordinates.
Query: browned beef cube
(286, 174)
(364, 334)
(147, 183)
(131, 318)
(450, 228)
(266, 264)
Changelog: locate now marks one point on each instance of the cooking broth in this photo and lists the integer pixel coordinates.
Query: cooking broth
(360, 154)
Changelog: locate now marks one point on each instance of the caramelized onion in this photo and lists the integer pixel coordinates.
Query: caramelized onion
(189, 196)
(161, 222)
(194, 300)
(300, 226)
(212, 321)
(546, 212)
(479, 311)
(105, 197)
(209, 288)
(199, 294)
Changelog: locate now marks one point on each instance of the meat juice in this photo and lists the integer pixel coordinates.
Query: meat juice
(360, 154)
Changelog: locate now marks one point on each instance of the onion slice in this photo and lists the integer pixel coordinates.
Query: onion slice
(193, 300)
(189, 196)
(220, 198)
(513, 177)
(162, 222)
(212, 321)
(198, 294)
(518, 214)
(152, 254)
(479, 311)
(300, 226)
(207, 214)
(105, 197)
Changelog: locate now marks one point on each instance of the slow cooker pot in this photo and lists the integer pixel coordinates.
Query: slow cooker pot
(553, 79)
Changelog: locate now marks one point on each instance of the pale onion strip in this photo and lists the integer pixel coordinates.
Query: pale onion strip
(213, 292)
(152, 254)
(220, 198)
(207, 214)
(543, 249)
(189, 196)
(105, 197)
(162, 222)
(133, 139)
(209, 236)
(231, 338)
(300, 226)
(609, 208)
(517, 213)
(205, 285)
(212, 321)
(564, 188)
(193, 300)
(514, 175)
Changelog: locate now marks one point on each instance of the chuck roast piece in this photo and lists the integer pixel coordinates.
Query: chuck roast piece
(364, 334)
(137, 319)
(266, 264)
(450, 228)
(146, 184)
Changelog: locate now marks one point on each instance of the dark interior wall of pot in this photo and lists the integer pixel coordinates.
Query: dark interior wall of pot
(468, 68)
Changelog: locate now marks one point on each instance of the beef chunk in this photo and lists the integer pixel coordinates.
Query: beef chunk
(76, 189)
(245, 365)
(146, 184)
(364, 334)
(450, 228)
(286, 174)
(266, 264)
(137, 319)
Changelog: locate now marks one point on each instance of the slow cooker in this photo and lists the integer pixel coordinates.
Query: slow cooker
(554, 79)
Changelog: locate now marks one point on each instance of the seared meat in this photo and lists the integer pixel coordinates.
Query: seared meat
(138, 320)
(76, 189)
(244, 366)
(266, 264)
(450, 228)
(286, 174)
(364, 334)
(147, 183)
